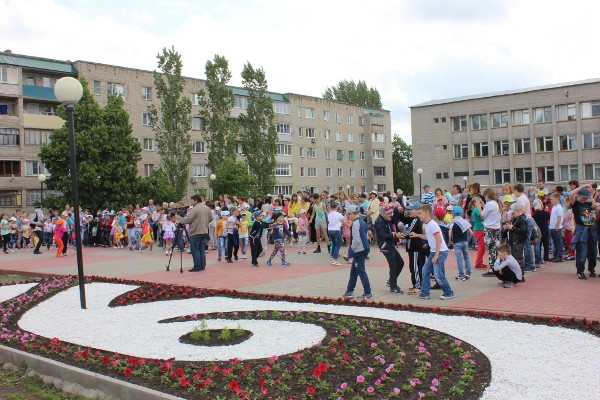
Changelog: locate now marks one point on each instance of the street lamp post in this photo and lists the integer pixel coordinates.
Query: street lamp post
(212, 178)
(68, 91)
(420, 172)
(42, 179)
(465, 179)
(348, 189)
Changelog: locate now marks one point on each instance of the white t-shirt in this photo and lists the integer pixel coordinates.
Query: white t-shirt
(522, 199)
(432, 229)
(557, 211)
(231, 222)
(335, 221)
(491, 215)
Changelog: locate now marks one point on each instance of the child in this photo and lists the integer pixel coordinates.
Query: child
(506, 268)
(147, 239)
(556, 217)
(346, 224)
(59, 231)
(569, 228)
(293, 224)
(255, 235)
(302, 232)
(516, 232)
(221, 234)
(279, 231)
(4, 231)
(460, 234)
(243, 231)
(335, 232)
(437, 256)
(541, 217)
(48, 229)
(233, 237)
(414, 246)
(117, 232)
(26, 233)
(169, 234)
(359, 250)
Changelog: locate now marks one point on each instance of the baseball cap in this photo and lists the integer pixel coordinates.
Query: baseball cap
(457, 210)
(217, 208)
(224, 213)
(256, 214)
(439, 212)
(449, 208)
(541, 193)
(374, 191)
(440, 198)
(508, 198)
(585, 192)
(426, 186)
(302, 211)
(351, 209)
(413, 206)
(12, 219)
(386, 209)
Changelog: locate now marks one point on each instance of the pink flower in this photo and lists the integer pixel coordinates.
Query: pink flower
(343, 385)
(378, 382)
(433, 388)
(421, 349)
(373, 344)
(360, 378)
(396, 390)
(457, 342)
(390, 340)
(370, 369)
(370, 389)
(428, 364)
(435, 382)
(421, 395)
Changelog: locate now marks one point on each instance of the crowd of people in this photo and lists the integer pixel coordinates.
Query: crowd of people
(513, 226)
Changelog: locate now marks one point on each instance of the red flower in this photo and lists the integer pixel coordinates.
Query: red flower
(234, 385)
(128, 371)
(105, 360)
(311, 390)
(261, 382)
(264, 391)
(184, 382)
(317, 372)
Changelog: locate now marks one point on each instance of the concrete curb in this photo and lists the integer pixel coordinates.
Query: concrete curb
(79, 381)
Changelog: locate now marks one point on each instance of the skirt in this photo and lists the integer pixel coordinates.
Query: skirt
(147, 238)
(169, 235)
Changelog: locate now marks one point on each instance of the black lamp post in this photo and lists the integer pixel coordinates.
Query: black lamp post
(420, 172)
(68, 91)
(465, 179)
(42, 179)
(348, 189)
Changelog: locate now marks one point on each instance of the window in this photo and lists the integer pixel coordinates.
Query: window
(328, 154)
(590, 109)
(97, 88)
(327, 134)
(148, 169)
(522, 146)
(197, 123)
(542, 115)
(48, 82)
(352, 173)
(340, 172)
(590, 140)
(36, 138)
(350, 137)
(328, 172)
(300, 114)
(592, 171)
(33, 168)
(378, 120)
(500, 120)
(565, 112)
(340, 155)
(379, 154)
(378, 137)
(362, 138)
(569, 172)
(199, 146)
(349, 119)
(301, 151)
(309, 113)
(312, 172)
(439, 147)
(29, 80)
(146, 119)
(362, 155)
(310, 133)
(568, 142)
(363, 173)
(523, 175)
(147, 93)
(285, 190)
(378, 171)
(381, 187)
(442, 175)
(240, 102)
(284, 149)
(520, 117)
(338, 136)
(459, 124)
(545, 144)
(10, 168)
(283, 127)
(325, 115)
(311, 152)
(338, 118)
(351, 155)
(501, 176)
(546, 174)
(280, 107)
(195, 98)
(283, 170)
(148, 144)
(199, 171)
(461, 150)
(480, 149)
(8, 74)
(117, 89)
(501, 147)
(9, 136)
(301, 171)
(299, 132)
(479, 121)
(361, 121)
(239, 149)
(461, 173)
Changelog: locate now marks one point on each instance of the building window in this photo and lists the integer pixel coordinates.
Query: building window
(283, 170)
(566, 112)
(239, 149)
(199, 171)
(522, 146)
(97, 88)
(148, 169)
(48, 82)
(328, 172)
(568, 142)
(362, 138)
(8, 74)
(362, 155)
(310, 133)
(280, 107)
(312, 172)
(301, 171)
(349, 119)
(379, 154)
(311, 152)
(461, 151)
(459, 124)
(195, 98)
(285, 190)
(309, 113)
(338, 118)
(199, 146)
(363, 173)
(546, 174)
(501, 147)
(327, 134)
(147, 93)
(338, 136)
(436, 120)
(146, 119)
(328, 154)
(301, 151)
(480, 172)
(10, 168)
(378, 137)
(591, 140)
(501, 176)
(300, 130)
(33, 168)
(439, 147)
(9, 137)
(36, 138)
(542, 115)
(117, 89)
(545, 144)
(350, 137)
(300, 114)
(480, 149)
(284, 128)
(352, 173)
(520, 117)
(523, 175)
(500, 120)
(592, 171)
(361, 121)
(284, 149)
(240, 102)
(590, 109)
(378, 171)
(479, 121)
(197, 124)
(569, 172)
(340, 172)
(325, 115)
(340, 155)
(148, 144)
(378, 120)
(351, 155)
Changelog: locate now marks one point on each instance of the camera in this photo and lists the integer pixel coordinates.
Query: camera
(181, 211)
(180, 226)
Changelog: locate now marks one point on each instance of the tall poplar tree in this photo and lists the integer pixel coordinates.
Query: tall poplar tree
(172, 120)
(354, 93)
(257, 131)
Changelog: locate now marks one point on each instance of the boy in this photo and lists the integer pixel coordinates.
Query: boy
(414, 246)
(244, 233)
(516, 232)
(506, 268)
(256, 232)
(221, 234)
(335, 226)
(460, 234)
(233, 238)
(556, 218)
(437, 256)
(386, 240)
(279, 231)
(359, 250)
(585, 239)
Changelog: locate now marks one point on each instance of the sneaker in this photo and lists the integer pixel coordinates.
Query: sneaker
(235, 258)
(299, 252)
(396, 290)
(366, 297)
(569, 258)
(387, 283)
(348, 295)
(489, 273)
(507, 285)
(467, 276)
(318, 250)
(447, 297)
(581, 276)
(413, 290)
(529, 269)
(556, 260)
(480, 266)
(593, 274)
(303, 252)
(219, 259)
(285, 264)
(229, 261)
(269, 263)
(346, 258)
(537, 266)
(335, 262)
(460, 278)
(422, 296)
(254, 265)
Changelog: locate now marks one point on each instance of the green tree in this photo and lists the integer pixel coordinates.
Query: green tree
(217, 102)
(354, 93)
(107, 154)
(402, 165)
(172, 121)
(258, 133)
(233, 178)
(156, 187)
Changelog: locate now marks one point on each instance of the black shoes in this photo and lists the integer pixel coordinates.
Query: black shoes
(318, 250)
(488, 274)
(581, 276)
(556, 260)
(229, 261)
(196, 269)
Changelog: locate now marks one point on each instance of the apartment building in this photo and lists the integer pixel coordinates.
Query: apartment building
(323, 145)
(549, 132)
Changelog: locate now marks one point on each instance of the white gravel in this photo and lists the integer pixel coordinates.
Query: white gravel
(9, 291)
(528, 361)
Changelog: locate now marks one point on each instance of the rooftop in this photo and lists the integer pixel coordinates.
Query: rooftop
(39, 63)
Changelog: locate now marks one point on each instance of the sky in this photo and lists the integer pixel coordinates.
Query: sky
(411, 51)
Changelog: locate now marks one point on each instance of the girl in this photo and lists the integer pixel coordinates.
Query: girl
(279, 231)
(292, 221)
(26, 233)
(147, 240)
(568, 229)
(117, 232)
(491, 223)
(59, 231)
(169, 234)
(243, 232)
(4, 231)
(302, 232)
(346, 224)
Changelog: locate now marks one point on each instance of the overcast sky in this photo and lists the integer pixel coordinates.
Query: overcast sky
(411, 51)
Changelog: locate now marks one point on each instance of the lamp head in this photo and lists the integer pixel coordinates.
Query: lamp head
(41, 178)
(68, 90)
(419, 171)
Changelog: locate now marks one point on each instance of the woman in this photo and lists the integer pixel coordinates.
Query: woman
(438, 193)
(491, 224)
(295, 206)
(478, 231)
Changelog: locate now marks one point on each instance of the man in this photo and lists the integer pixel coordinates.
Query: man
(428, 197)
(542, 186)
(198, 219)
(151, 206)
(585, 239)
(37, 221)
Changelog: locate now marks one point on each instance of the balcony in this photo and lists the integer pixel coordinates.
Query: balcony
(38, 92)
(39, 121)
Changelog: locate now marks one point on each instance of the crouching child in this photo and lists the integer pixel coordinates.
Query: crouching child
(506, 268)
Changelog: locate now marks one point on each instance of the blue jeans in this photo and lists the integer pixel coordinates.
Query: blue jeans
(438, 272)
(198, 248)
(461, 251)
(528, 251)
(336, 242)
(557, 247)
(222, 246)
(357, 270)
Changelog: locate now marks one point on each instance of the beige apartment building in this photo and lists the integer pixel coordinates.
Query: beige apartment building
(549, 132)
(323, 145)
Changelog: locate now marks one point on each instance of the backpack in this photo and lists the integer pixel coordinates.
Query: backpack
(536, 233)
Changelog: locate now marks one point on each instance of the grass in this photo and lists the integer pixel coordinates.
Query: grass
(2, 276)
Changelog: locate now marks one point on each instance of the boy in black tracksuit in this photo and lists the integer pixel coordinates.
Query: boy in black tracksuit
(386, 240)
(255, 234)
(414, 246)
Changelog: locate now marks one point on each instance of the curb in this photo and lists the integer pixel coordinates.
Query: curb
(79, 381)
